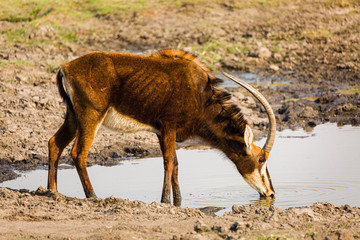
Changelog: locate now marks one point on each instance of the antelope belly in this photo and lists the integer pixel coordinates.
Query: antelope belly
(120, 122)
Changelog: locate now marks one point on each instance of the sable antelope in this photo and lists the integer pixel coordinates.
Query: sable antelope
(169, 93)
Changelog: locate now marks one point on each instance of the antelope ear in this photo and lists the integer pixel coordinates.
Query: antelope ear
(248, 138)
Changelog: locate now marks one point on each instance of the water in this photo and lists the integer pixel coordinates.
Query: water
(305, 168)
(251, 78)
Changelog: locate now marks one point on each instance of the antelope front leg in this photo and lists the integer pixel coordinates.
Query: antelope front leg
(175, 183)
(167, 143)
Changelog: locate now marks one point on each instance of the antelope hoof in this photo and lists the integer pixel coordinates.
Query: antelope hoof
(165, 201)
(91, 195)
(177, 201)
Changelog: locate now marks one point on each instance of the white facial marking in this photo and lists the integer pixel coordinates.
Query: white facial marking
(255, 180)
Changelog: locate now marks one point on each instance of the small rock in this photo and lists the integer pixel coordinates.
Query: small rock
(273, 67)
(41, 191)
(308, 112)
(232, 62)
(237, 226)
(264, 53)
(218, 229)
(210, 211)
(200, 226)
(237, 209)
(348, 107)
(277, 57)
(172, 211)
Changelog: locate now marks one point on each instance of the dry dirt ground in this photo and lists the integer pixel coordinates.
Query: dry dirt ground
(306, 55)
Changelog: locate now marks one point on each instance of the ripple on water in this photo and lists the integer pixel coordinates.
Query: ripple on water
(305, 168)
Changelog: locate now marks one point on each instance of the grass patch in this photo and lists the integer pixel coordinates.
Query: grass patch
(272, 237)
(67, 35)
(321, 33)
(16, 35)
(31, 10)
(312, 99)
(51, 68)
(341, 3)
(242, 4)
(279, 84)
(311, 235)
(17, 63)
(355, 90)
(70, 19)
(233, 48)
(303, 98)
(211, 52)
(291, 99)
(24, 11)
(100, 8)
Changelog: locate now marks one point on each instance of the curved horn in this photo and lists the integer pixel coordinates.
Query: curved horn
(272, 131)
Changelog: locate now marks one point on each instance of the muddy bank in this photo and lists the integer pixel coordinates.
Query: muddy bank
(41, 214)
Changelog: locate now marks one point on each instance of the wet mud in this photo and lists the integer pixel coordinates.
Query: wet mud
(42, 214)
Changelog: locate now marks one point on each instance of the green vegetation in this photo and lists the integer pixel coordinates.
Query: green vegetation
(15, 35)
(43, 22)
(312, 99)
(24, 11)
(311, 235)
(342, 3)
(354, 90)
(317, 34)
(33, 10)
(17, 63)
(213, 50)
(51, 68)
(272, 237)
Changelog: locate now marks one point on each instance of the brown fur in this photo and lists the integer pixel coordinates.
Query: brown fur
(170, 91)
(178, 54)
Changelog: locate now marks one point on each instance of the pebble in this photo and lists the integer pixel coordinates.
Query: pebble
(200, 226)
(264, 53)
(273, 67)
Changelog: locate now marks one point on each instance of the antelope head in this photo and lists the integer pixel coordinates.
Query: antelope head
(251, 162)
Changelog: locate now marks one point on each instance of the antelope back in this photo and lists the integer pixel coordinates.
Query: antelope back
(167, 86)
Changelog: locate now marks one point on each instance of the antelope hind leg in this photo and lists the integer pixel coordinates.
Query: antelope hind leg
(57, 143)
(85, 135)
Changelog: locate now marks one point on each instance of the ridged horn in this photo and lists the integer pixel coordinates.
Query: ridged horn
(272, 131)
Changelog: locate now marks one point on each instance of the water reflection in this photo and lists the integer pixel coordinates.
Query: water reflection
(305, 168)
(263, 201)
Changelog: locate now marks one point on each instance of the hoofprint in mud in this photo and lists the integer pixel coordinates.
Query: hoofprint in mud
(43, 214)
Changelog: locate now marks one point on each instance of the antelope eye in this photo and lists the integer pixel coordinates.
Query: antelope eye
(262, 160)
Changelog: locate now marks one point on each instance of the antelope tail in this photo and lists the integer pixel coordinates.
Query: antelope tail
(60, 80)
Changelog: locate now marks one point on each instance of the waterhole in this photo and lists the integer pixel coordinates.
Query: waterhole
(305, 167)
